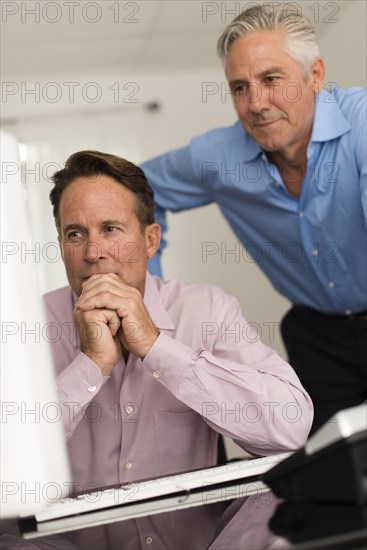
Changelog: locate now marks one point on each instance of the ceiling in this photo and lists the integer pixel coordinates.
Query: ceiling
(77, 37)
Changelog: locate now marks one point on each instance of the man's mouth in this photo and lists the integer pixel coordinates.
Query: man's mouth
(265, 123)
(85, 277)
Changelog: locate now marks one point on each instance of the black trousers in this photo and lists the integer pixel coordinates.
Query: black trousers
(329, 355)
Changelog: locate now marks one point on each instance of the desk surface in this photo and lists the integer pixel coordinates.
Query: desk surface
(257, 522)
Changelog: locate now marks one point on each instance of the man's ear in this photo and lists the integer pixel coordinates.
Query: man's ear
(152, 239)
(317, 75)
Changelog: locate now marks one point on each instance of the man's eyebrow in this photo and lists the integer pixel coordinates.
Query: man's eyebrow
(74, 227)
(104, 223)
(113, 222)
(271, 70)
(262, 74)
(233, 83)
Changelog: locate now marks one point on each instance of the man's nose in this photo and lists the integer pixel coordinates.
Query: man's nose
(258, 98)
(93, 250)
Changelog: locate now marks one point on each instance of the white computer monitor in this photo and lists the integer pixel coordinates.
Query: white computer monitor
(34, 467)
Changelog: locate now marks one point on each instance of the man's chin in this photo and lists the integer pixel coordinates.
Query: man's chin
(271, 145)
(268, 140)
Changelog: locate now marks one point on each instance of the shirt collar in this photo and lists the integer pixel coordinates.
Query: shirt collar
(329, 122)
(155, 306)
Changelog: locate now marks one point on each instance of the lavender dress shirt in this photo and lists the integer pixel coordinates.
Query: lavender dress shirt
(207, 373)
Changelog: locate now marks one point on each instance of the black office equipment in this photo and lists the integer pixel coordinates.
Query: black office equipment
(332, 467)
(300, 522)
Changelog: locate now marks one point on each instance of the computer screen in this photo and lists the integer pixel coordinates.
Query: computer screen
(34, 467)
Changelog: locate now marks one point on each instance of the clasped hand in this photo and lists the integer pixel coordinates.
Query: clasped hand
(112, 321)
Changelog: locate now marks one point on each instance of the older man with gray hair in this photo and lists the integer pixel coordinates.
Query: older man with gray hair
(307, 147)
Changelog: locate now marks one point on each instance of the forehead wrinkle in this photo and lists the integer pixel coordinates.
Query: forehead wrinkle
(263, 50)
(97, 201)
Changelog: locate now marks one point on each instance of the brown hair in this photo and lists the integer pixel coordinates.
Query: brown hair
(86, 164)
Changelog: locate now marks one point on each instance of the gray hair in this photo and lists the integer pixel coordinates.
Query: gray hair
(301, 41)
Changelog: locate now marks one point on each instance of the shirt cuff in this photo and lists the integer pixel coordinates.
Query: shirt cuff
(81, 380)
(167, 359)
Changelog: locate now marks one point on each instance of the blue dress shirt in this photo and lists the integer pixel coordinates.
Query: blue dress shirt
(312, 248)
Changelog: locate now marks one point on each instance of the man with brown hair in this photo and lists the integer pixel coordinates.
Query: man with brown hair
(155, 369)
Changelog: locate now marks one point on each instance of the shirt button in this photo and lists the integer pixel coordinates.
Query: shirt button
(314, 252)
(128, 465)
(331, 284)
(129, 408)
(157, 374)
(348, 312)
(301, 214)
(149, 540)
(92, 389)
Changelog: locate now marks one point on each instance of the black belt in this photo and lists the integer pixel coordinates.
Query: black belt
(358, 316)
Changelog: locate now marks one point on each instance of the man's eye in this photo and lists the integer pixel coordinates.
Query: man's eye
(110, 229)
(73, 234)
(271, 79)
(239, 89)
